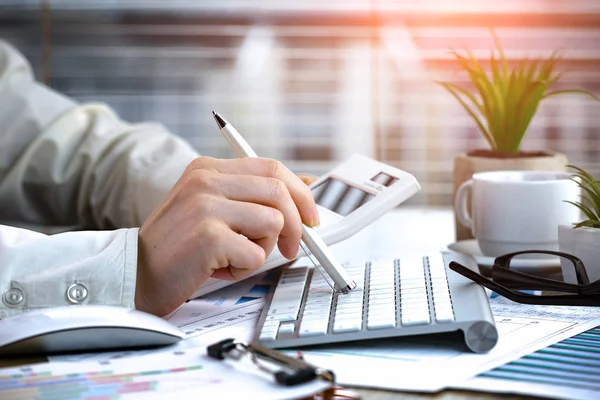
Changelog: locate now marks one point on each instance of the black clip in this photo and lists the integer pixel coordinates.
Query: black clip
(293, 371)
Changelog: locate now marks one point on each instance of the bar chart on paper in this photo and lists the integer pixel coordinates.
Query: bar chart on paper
(102, 384)
(568, 369)
(188, 374)
(523, 329)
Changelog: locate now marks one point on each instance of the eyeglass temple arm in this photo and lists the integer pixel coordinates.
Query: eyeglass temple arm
(519, 280)
(590, 300)
(477, 278)
(580, 271)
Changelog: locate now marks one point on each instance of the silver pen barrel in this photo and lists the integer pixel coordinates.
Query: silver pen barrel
(326, 259)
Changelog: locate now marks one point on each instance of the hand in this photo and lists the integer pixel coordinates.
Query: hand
(221, 219)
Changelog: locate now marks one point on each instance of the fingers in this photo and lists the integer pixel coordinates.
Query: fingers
(239, 256)
(243, 216)
(259, 223)
(220, 219)
(268, 168)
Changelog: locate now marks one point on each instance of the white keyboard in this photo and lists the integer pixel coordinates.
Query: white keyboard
(408, 296)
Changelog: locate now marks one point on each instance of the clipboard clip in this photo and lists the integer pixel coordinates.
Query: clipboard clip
(290, 372)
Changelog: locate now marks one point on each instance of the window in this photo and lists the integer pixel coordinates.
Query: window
(312, 82)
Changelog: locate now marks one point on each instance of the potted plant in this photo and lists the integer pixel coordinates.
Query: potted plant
(583, 239)
(502, 103)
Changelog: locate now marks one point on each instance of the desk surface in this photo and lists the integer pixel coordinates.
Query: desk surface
(416, 231)
(407, 230)
(367, 394)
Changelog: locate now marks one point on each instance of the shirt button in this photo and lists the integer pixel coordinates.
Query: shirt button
(77, 292)
(13, 297)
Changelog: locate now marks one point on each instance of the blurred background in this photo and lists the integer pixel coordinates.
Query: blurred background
(311, 82)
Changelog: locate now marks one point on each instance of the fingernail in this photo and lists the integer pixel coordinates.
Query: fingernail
(316, 219)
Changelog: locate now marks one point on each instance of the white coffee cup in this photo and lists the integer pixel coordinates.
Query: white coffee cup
(517, 210)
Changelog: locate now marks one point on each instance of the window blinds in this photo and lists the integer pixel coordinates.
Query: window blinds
(312, 82)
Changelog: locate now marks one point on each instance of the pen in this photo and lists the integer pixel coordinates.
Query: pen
(310, 237)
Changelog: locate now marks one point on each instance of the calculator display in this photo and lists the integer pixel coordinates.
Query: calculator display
(340, 197)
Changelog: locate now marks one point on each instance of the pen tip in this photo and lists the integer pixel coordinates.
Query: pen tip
(220, 121)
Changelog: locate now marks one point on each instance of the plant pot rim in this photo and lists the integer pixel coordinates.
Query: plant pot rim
(583, 228)
(487, 153)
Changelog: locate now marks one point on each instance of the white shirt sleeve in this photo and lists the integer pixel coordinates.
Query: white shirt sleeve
(85, 267)
(67, 164)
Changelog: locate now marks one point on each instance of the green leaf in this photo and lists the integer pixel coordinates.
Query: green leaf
(545, 72)
(569, 91)
(463, 91)
(590, 189)
(496, 74)
(507, 98)
(555, 79)
(471, 113)
(510, 111)
(526, 108)
(501, 52)
(492, 98)
(515, 93)
(587, 178)
(593, 198)
(593, 206)
(590, 186)
(588, 223)
(500, 119)
(530, 72)
(584, 209)
(485, 89)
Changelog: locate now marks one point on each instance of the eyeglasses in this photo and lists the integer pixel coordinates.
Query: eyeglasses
(508, 282)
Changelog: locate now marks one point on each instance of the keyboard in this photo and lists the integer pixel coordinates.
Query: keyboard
(397, 297)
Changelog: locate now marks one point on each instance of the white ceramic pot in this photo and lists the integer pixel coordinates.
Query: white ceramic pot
(583, 243)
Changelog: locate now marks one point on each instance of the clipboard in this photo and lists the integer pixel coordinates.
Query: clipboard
(286, 370)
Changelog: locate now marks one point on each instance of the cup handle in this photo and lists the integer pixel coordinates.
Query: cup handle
(460, 204)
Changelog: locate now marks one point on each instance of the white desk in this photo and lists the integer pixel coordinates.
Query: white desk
(406, 230)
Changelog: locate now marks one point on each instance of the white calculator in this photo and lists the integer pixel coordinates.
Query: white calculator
(348, 198)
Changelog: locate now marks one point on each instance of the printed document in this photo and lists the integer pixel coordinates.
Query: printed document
(428, 364)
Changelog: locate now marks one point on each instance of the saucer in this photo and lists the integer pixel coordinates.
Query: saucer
(530, 265)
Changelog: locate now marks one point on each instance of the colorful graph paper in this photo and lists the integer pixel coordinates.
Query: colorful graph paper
(571, 363)
(97, 385)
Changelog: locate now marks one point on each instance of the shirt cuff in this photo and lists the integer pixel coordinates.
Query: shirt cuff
(88, 267)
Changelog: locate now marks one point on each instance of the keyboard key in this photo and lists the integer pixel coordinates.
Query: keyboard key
(381, 323)
(287, 327)
(267, 335)
(381, 308)
(442, 303)
(414, 302)
(288, 295)
(269, 330)
(347, 326)
(313, 328)
(415, 319)
(315, 314)
(444, 314)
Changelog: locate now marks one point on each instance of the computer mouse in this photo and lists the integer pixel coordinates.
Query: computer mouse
(85, 328)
